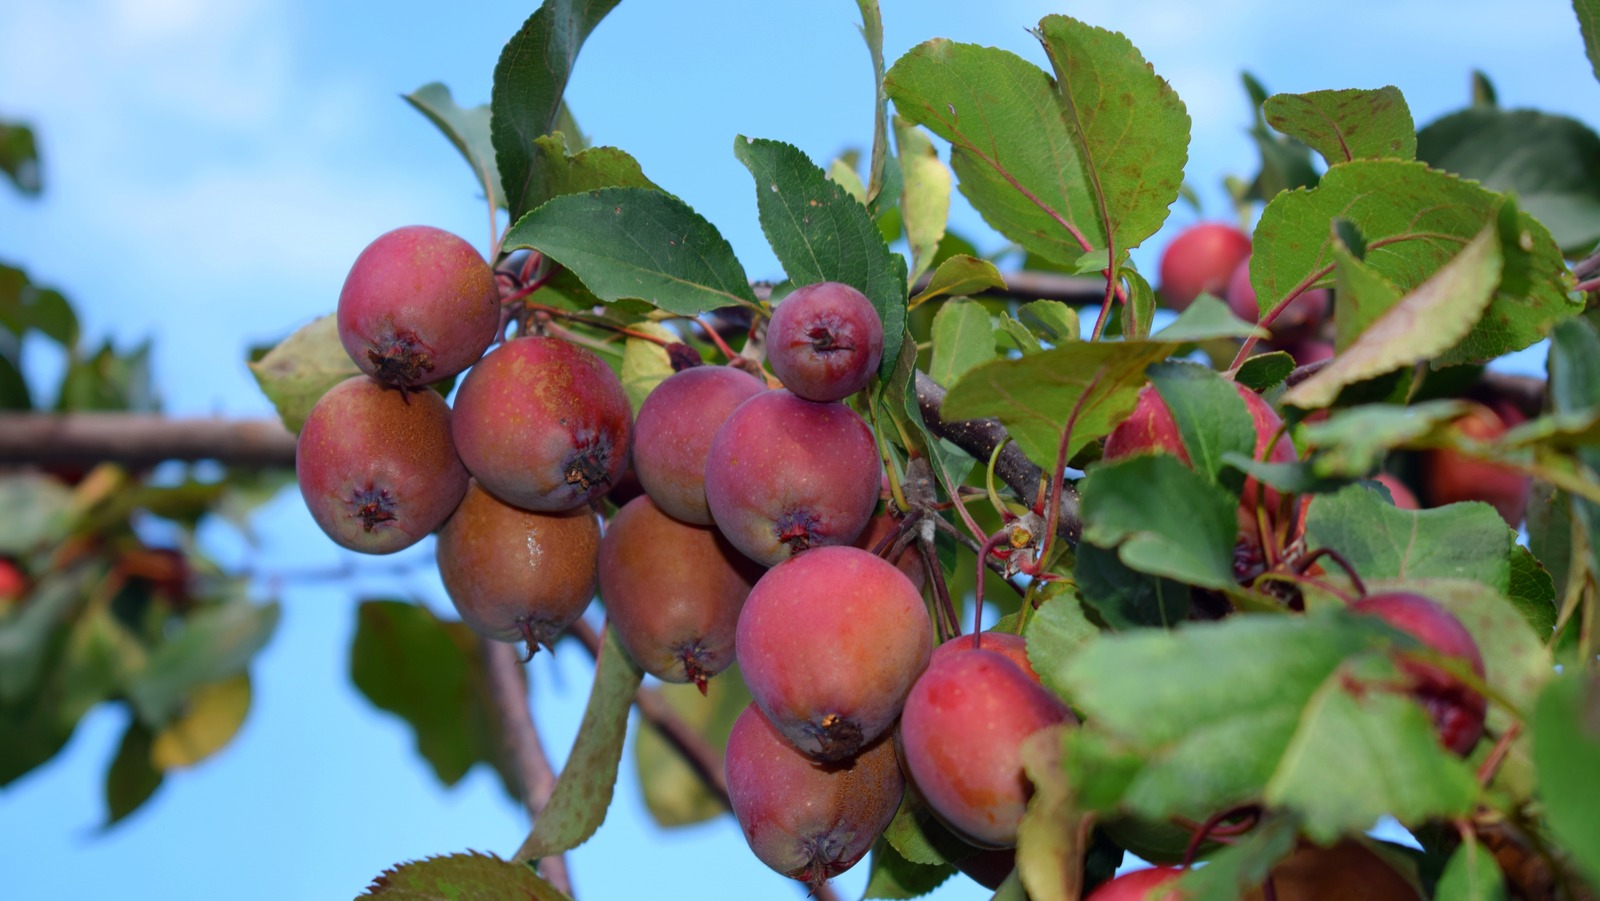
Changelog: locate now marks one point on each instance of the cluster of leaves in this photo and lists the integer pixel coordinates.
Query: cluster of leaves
(1447, 248)
(107, 597)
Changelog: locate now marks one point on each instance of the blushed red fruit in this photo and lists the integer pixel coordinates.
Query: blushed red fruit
(829, 644)
(1297, 322)
(785, 474)
(1200, 260)
(1138, 885)
(673, 431)
(13, 584)
(672, 592)
(1398, 492)
(825, 341)
(418, 306)
(516, 575)
(543, 424)
(1456, 710)
(1309, 350)
(376, 466)
(961, 733)
(1012, 647)
(809, 821)
(909, 562)
(1151, 429)
(1449, 477)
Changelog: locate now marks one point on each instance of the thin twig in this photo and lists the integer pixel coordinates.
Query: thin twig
(508, 687)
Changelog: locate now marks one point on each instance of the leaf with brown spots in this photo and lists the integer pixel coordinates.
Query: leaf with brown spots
(1347, 125)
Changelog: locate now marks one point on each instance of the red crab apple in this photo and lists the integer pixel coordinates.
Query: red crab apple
(1402, 496)
(1138, 885)
(518, 575)
(825, 341)
(1296, 323)
(376, 466)
(1199, 261)
(13, 584)
(807, 820)
(673, 431)
(672, 592)
(1456, 710)
(418, 306)
(1449, 477)
(785, 474)
(543, 424)
(829, 644)
(961, 733)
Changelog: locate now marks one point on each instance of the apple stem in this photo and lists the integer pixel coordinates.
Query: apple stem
(944, 608)
(1058, 476)
(1250, 814)
(984, 550)
(716, 338)
(1336, 557)
(1497, 754)
(1269, 891)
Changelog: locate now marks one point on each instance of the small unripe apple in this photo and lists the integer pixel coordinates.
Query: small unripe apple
(1199, 261)
(1456, 710)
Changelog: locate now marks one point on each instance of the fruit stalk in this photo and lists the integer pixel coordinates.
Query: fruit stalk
(508, 687)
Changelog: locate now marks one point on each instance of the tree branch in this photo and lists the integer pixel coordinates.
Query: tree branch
(139, 439)
(508, 686)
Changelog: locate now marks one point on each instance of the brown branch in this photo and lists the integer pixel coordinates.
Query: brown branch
(508, 687)
(137, 439)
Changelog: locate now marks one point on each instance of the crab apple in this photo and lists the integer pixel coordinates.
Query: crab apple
(543, 424)
(518, 575)
(1449, 477)
(1402, 496)
(825, 341)
(878, 528)
(785, 474)
(961, 733)
(376, 465)
(829, 644)
(1138, 885)
(1457, 711)
(1152, 429)
(13, 583)
(1199, 261)
(673, 431)
(1348, 871)
(418, 306)
(1298, 321)
(673, 592)
(1012, 647)
(809, 821)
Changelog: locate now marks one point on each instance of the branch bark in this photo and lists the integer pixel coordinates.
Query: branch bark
(508, 686)
(139, 439)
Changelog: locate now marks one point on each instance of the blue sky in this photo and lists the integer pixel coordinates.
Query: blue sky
(212, 168)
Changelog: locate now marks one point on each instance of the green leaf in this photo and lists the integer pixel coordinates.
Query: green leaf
(1010, 146)
(1208, 318)
(1551, 163)
(1347, 125)
(131, 780)
(893, 876)
(461, 877)
(583, 790)
(1163, 517)
(39, 512)
(430, 673)
(919, 837)
(925, 203)
(1424, 324)
(1589, 23)
(467, 128)
(1285, 162)
(1051, 320)
(1566, 751)
(1131, 129)
(961, 275)
(1019, 335)
(296, 373)
(1135, 318)
(1215, 705)
(1414, 220)
(872, 33)
(1471, 875)
(211, 716)
(1050, 836)
(1363, 295)
(1125, 598)
(645, 364)
(1212, 418)
(107, 380)
(637, 243)
(1459, 541)
(1236, 869)
(529, 80)
(19, 158)
(1383, 746)
(1055, 633)
(1550, 536)
(1532, 591)
(674, 793)
(213, 644)
(558, 172)
(963, 337)
(1265, 371)
(1351, 443)
(27, 639)
(821, 234)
